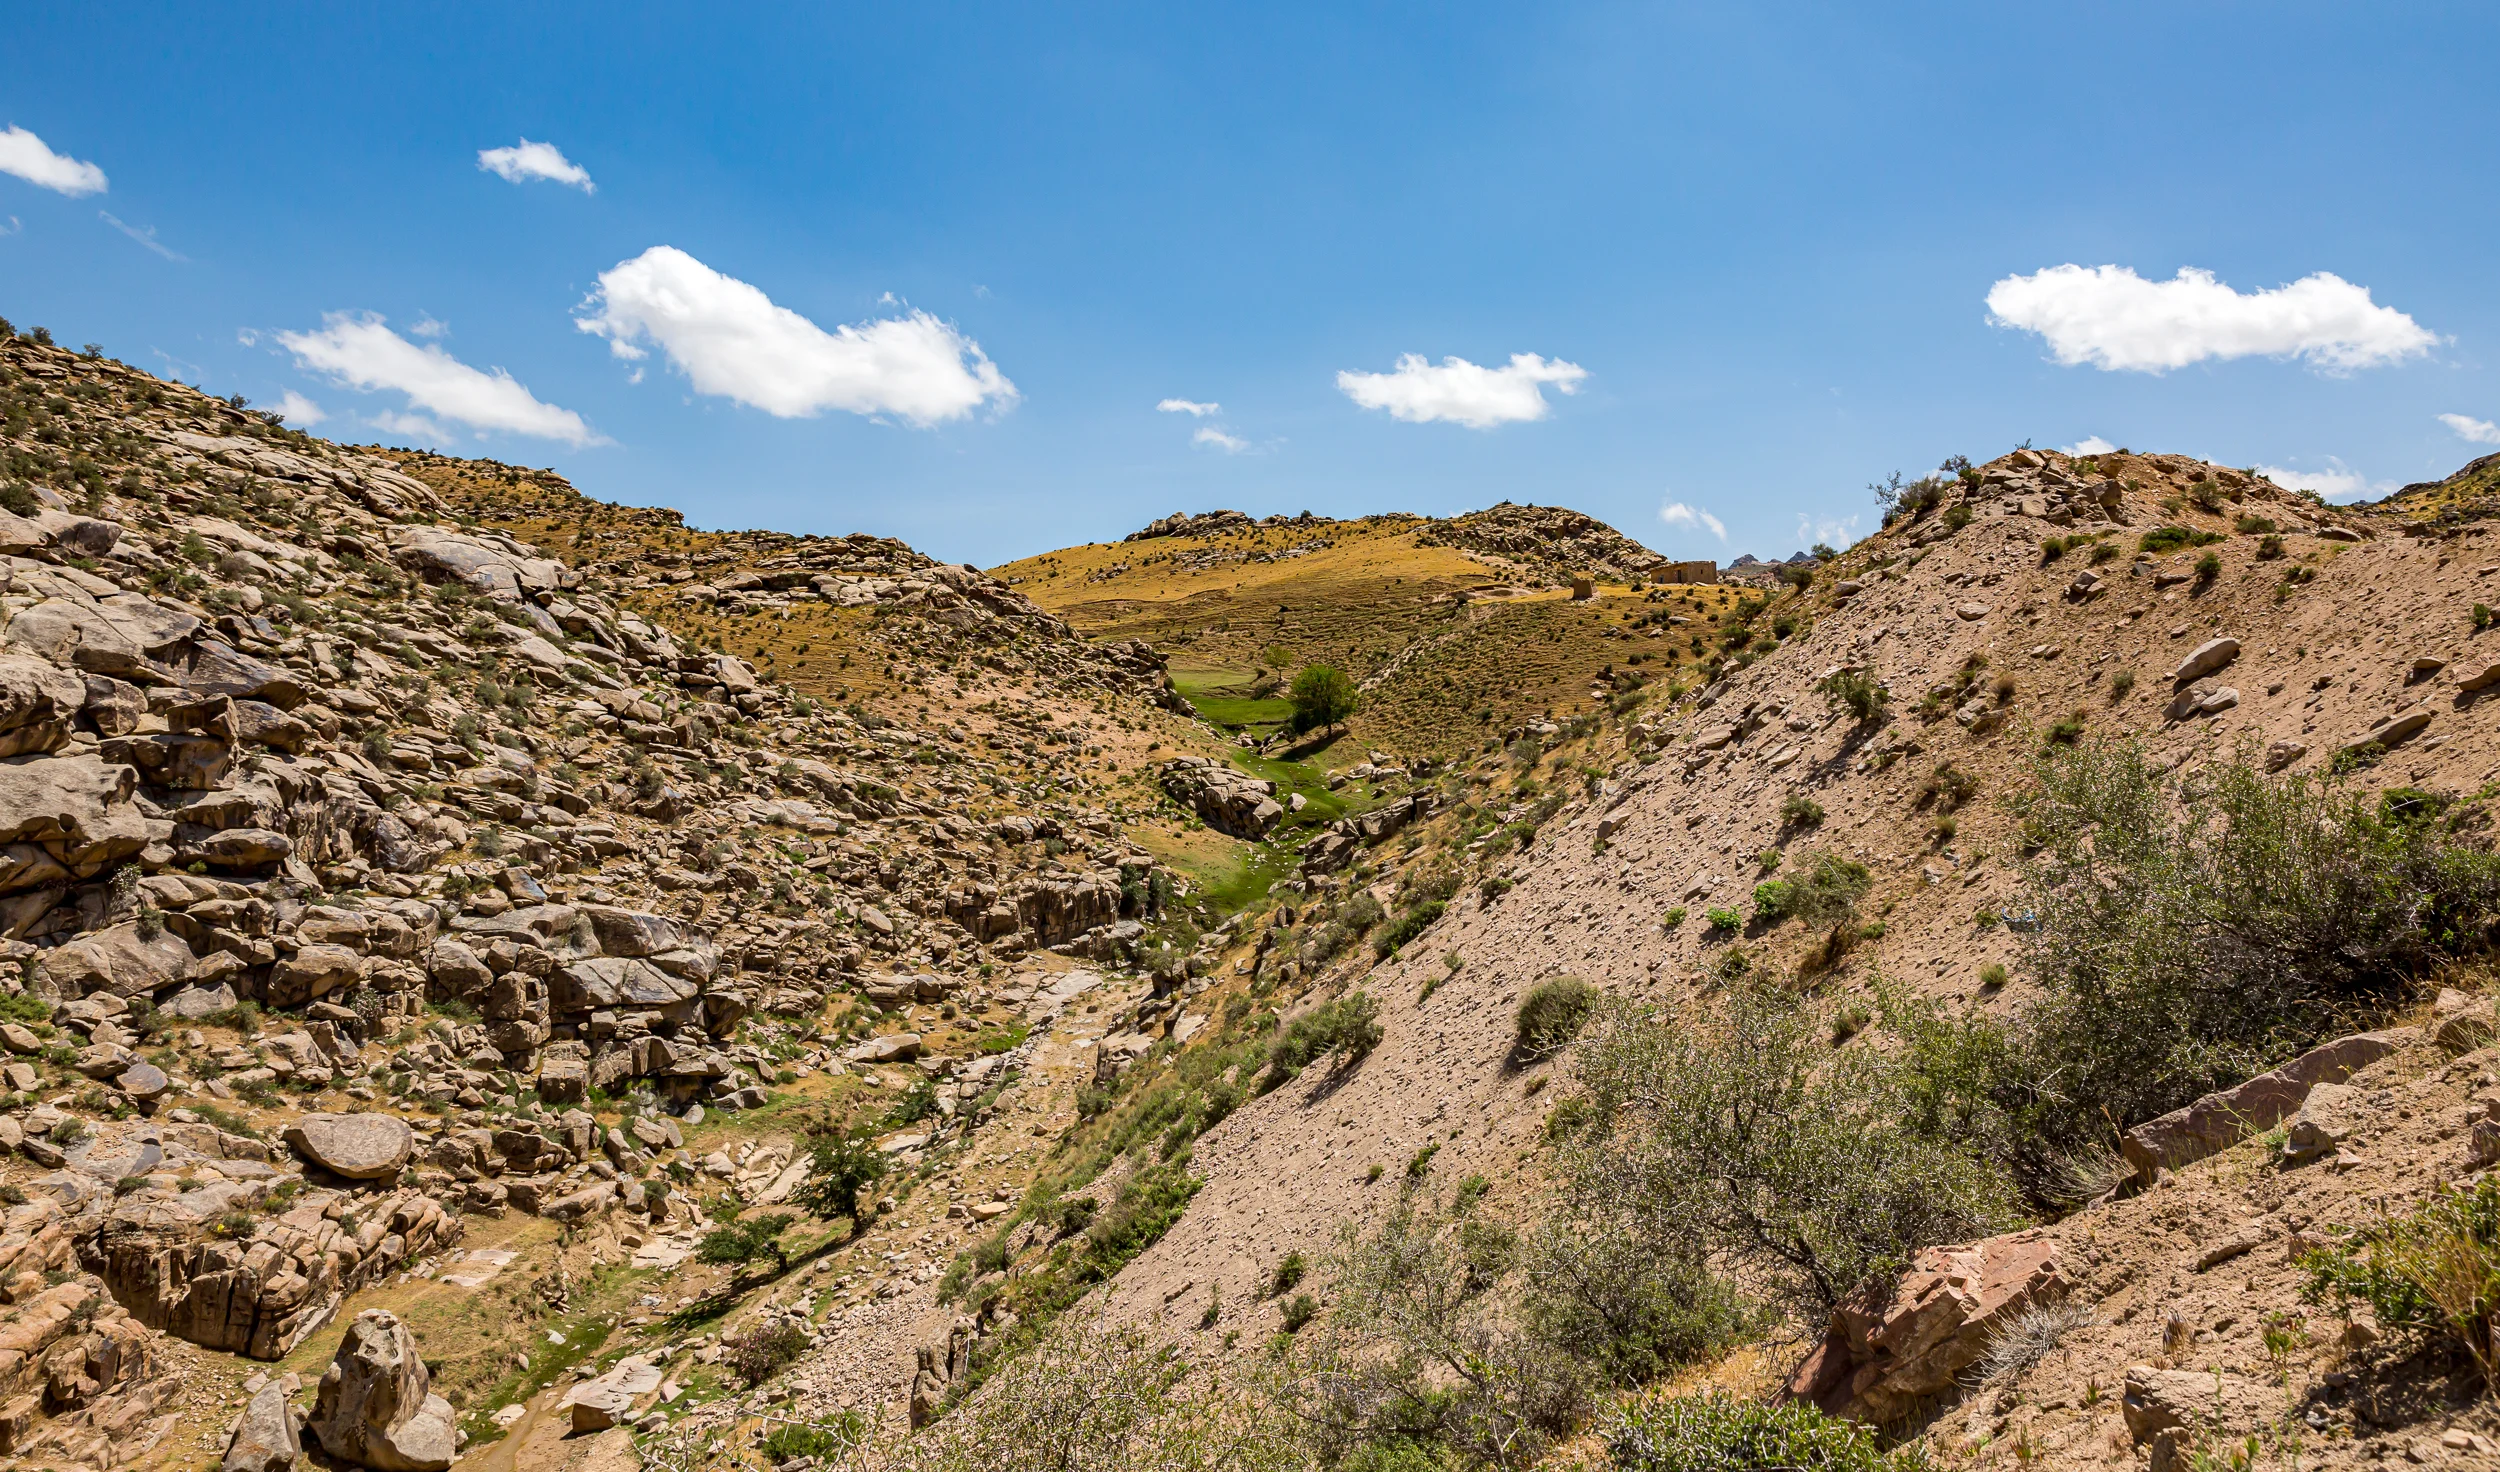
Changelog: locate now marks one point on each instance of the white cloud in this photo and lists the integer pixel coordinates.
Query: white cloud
(1208, 434)
(299, 411)
(2112, 319)
(2472, 431)
(12, 227)
(2339, 483)
(1838, 533)
(24, 154)
(145, 237)
(526, 161)
(1676, 513)
(1463, 392)
(412, 426)
(1187, 406)
(2090, 444)
(731, 340)
(426, 326)
(362, 353)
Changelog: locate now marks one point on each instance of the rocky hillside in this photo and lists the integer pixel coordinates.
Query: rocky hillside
(502, 971)
(377, 878)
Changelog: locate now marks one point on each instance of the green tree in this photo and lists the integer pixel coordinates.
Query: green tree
(840, 1165)
(738, 1243)
(1322, 697)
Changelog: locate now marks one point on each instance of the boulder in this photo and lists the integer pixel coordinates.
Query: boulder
(264, 1437)
(313, 971)
(195, 1002)
(2332, 1116)
(2204, 659)
(375, 1407)
(2389, 730)
(78, 809)
(144, 1082)
(1879, 1360)
(362, 1147)
(2220, 1120)
(37, 702)
(119, 960)
(897, 1047)
(1229, 800)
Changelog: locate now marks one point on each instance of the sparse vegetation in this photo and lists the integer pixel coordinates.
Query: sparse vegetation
(1552, 1014)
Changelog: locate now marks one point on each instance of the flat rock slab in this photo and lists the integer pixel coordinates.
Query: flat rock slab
(361, 1147)
(478, 1268)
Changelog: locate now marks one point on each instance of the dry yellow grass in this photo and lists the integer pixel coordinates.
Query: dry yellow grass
(1445, 668)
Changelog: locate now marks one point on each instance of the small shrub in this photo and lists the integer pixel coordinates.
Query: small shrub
(2066, 730)
(1854, 691)
(2163, 539)
(1673, 918)
(2269, 547)
(2433, 1273)
(1948, 787)
(2120, 684)
(1348, 1027)
(2208, 568)
(1723, 918)
(1958, 515)
(766, 1349)
(1299, 1311)
(2250, 524)
(1800, 811)
(1717, 1432)
(1824, 891)
(1288, 1275)
(1552, 1014)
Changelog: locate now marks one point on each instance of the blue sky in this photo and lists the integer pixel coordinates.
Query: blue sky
(929, 271)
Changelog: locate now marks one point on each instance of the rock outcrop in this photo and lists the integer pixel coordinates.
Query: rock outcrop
(375, 1406)
(1230, 801)
(1878, 1361)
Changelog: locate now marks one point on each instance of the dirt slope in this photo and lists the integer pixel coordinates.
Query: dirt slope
(2382, 625)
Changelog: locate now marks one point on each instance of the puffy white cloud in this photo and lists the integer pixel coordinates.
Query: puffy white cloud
(1837, 533)
(412, 426)
(2090, 444)
(525, 161)
(361, 352)
(729, 339)
(2472, 431)
(145, 237)
(2340, 482)
(26, 156)
(1676, 513)
(1208, 434)
(1463, 392)
(2113, 319)
(1187, 406)
(299, 411)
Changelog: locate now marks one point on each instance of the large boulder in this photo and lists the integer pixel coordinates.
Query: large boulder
(264, 1437)
(361, 1147)
(1879, 1360)
(376, 1407)
(121, 959)
(1229, 800)
(38, 700)
(76, 809)
(313, 971)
